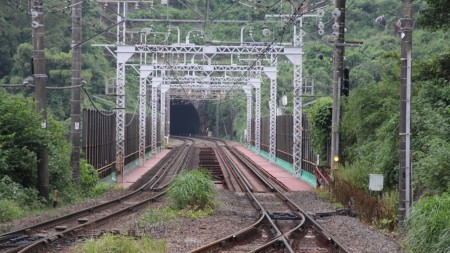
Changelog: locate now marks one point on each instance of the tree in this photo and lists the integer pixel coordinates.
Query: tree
(20, 138)
(436, 16)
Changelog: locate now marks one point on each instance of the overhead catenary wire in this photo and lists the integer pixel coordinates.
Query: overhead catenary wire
(93, 104)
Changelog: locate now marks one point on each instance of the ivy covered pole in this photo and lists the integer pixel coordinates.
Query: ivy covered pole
(405, 196)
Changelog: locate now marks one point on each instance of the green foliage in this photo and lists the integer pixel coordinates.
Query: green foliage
(193, 189)
(436, 16)
(115, 243)
(9, 210)
(319, 118)
(369, 128)
(356, 174)
(20, 138)
(88, 177)
(351, 190)
(15, 192)
(428, 225)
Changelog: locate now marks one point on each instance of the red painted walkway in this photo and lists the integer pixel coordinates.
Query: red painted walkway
(134, 175)
(294, 184)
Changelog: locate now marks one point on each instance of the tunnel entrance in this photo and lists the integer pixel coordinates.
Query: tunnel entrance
(184, 119)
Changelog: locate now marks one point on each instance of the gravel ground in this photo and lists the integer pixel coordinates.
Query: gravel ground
(349, 231)
(234, 213)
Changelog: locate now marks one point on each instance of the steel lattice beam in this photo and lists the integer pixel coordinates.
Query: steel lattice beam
(143, 75)
(257, 85)
(297, 60)
(122, 57)
(211, 50)
(248, 92)
(271, 72)
(164, 89)
(155, 84)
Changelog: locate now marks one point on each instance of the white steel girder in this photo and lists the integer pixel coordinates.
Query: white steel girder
(205, 79)
(297, 60)
(144, 72)
(257, 85)
(211, 50)
(248, 92)
(205, 68)
(164, 89)
(155, 84)
(271, 72)
(122, 57)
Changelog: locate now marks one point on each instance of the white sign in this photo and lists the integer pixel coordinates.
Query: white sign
(77, 125)
(376, 182)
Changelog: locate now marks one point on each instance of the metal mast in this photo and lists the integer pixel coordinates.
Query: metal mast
(76, 81)
(405, 197)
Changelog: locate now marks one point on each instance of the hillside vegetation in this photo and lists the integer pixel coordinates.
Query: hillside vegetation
(370, 114)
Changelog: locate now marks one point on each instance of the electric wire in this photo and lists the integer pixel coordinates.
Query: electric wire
(95, 107)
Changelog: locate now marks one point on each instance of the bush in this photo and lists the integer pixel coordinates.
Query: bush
(88, 178)
(351, 189)
(428, 225)
(319, 118)
(193, 189)
(9, 210)
(23, 196)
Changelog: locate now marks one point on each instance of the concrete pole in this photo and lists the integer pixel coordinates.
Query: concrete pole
(405, 196)
(76, 81)
(40, 78)
(338, 57)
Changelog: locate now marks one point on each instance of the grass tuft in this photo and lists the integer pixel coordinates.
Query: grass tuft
(9, 210)
(120, 244)
(193, 189)
(428, 225)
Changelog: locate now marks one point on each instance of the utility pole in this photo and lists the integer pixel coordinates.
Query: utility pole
(338, 57)
(405, 196)
(76, 81)
(40, 78)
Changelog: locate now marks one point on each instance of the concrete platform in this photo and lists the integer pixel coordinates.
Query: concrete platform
(294, 184)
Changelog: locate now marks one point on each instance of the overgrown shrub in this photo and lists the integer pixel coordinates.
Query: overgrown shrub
(90, 184)
(193, 188)
(351, 189)
(428, 225)
(27, 197)
(319, 118)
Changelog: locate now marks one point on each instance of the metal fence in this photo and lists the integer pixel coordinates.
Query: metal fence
(99, 139)
(284, 137)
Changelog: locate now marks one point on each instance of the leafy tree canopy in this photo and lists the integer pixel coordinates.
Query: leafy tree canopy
(436, 16)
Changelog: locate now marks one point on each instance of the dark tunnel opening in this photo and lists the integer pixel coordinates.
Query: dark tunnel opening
(184, 119)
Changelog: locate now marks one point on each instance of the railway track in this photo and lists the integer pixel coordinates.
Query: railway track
(88, 222)
(282, 226)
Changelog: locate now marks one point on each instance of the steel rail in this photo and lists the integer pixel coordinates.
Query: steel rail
(159, 175)
(307, 224)
(264, 216)
(182, 156)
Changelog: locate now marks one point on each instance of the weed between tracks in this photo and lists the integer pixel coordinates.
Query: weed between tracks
(116, 243)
